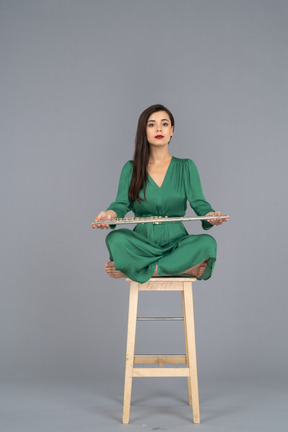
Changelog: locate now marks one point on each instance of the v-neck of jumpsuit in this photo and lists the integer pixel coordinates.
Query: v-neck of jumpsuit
(166, 173)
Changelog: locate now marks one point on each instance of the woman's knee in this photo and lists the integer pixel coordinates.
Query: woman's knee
(116, 237)
(210, 241)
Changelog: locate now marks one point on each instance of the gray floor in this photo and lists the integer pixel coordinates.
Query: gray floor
(157, 405)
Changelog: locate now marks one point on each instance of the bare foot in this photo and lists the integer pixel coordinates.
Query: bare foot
(110, 270)
(155, 274)
(197, 270)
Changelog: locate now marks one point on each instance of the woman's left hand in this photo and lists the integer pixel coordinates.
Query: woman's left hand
(216, 221)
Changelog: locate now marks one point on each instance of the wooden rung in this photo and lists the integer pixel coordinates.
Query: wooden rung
(160, 372)
(160, 319)
(155, 359)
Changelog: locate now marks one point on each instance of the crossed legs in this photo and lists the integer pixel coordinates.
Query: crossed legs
(195, 271)
(132, 246)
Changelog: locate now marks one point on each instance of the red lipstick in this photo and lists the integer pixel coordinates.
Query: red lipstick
(159, 136)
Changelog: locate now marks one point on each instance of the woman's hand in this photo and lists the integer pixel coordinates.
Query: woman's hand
(216, 221)
(110, 214)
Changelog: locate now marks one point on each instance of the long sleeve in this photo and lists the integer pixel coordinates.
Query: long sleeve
(122, 204)
(195, 194)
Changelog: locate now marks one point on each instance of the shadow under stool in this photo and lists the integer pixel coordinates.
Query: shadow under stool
(183, 284)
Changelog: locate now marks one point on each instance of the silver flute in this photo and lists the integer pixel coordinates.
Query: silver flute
(156, 219)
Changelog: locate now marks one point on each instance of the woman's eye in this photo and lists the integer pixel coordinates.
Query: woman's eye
(150, 124)
(165, 124)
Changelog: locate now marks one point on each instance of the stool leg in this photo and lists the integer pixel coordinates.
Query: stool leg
(186, 349)
(131, 333)
(190, 330)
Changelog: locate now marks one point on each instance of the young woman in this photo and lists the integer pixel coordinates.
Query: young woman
(158, 184)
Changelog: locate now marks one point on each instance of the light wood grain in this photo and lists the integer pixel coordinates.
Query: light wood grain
(190, 371)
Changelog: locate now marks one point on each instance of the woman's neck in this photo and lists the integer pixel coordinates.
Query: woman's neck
(159, 155)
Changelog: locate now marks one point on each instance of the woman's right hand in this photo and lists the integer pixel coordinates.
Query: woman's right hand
(103, 215)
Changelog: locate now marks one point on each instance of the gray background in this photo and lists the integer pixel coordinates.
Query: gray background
(75, 76)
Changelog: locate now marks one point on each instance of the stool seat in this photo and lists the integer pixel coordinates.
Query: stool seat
(167, 278)
(183, 284)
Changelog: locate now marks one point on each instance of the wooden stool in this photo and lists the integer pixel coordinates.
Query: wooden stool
(190, 371)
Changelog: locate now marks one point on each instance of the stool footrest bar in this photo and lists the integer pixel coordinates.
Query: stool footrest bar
(160, 318)
(164, 359)
(160, 372)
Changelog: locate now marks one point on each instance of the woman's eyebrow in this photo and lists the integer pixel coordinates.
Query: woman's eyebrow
(155, 120)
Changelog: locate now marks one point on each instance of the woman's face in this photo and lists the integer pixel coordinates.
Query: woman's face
(159, 129)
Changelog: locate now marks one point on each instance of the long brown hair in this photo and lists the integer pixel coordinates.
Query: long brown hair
(142, 152)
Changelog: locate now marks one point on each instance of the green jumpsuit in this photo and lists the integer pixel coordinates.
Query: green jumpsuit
(136, 252)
